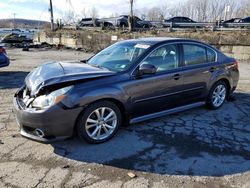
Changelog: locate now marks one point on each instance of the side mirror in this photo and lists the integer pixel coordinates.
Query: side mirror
(147, 69)
(84, 61)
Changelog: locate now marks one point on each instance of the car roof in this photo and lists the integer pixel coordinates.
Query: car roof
(157, 40)
(178, 17)
(246, 18)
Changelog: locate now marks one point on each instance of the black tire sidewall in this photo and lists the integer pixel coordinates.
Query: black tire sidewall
(210, 97)
(81, 132)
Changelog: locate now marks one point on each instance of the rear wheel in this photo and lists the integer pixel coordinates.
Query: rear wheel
(217, 95)
(123, 25)
(99, 122)
(108, 26)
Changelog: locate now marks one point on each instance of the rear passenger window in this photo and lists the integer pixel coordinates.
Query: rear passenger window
(210, 55)
(194, 54)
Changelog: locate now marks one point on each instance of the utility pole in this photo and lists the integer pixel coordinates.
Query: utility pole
(131, 16)
(227, 9)
(14, 20)
(51, 15)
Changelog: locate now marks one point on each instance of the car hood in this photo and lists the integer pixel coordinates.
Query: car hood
(62, 73)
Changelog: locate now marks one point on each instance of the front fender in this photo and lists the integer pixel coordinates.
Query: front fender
(100, 94)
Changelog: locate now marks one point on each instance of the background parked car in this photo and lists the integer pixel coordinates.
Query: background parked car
(16, 38)
(245, 20)
(89, 22)
(177, 19)
(122, 21)
(4, 60)
(233, 20)
(142, 23)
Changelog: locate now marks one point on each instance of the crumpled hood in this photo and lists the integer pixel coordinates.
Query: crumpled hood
(54, 73)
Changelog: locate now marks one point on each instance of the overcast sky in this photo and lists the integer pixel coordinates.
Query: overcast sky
(38, 9)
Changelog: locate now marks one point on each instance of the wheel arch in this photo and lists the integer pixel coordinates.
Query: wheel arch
(118, 103)
(226, 81)
(221, 76)
(107, 24)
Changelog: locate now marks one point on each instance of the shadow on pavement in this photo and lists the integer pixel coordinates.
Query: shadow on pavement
(12, 79)
(197, 142)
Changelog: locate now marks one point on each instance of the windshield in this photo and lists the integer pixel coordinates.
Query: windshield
(119, 56)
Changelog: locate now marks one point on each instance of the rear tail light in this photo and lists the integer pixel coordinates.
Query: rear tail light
(2, 50)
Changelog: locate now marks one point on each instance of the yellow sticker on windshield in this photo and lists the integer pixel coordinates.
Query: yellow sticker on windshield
(144, 46)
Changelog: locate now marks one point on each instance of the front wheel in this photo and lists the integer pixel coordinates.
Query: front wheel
(99, 122)
(217, 95)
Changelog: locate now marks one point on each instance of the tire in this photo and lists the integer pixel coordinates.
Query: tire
(108, 26)
(123, 25)
(102, 130)
(217, 95)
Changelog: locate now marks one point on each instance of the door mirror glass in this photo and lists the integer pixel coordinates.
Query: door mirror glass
(147, 69)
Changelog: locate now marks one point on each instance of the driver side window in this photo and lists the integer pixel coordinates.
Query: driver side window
(164, 58)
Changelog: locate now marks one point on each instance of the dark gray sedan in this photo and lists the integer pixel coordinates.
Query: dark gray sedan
(128, 82)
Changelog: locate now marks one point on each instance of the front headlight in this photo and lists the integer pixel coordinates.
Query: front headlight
(45, 101)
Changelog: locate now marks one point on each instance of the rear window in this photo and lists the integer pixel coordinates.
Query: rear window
(177, 19)
(211, 56)
(194, 54)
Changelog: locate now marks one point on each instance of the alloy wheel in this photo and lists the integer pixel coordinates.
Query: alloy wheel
(101, 123)
(219, 95)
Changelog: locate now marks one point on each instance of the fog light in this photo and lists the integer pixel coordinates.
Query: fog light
(39, 133)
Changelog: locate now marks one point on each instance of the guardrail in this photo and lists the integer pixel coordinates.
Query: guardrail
(194, 25)
(179, 26)
(205, 24)
(73, 27)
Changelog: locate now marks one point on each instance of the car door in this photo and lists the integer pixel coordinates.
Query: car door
(199, 65)
(160, 91)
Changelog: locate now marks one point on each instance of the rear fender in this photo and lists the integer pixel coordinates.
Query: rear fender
(221, 74)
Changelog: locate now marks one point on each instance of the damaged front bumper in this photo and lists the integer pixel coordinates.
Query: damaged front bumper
(48, 125)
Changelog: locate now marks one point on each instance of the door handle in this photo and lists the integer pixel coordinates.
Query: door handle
(176, 76)
(212, 69)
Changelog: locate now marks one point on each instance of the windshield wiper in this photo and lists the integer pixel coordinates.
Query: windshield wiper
(99, 66)
(95, 65)
(104, 68)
